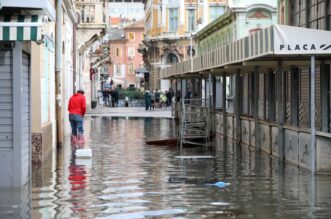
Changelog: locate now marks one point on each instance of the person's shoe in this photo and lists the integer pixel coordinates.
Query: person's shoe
(81, 139)
(73, 140)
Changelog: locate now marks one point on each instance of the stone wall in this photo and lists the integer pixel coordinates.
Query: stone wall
(42, 144)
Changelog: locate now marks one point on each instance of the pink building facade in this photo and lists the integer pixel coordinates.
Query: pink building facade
(125, 59)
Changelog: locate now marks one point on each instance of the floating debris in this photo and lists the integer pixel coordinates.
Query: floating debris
(219, 184)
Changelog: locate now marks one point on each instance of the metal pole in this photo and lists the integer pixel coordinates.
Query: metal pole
(224, 107)
(312, 114)
(191, 52)
(210, 92)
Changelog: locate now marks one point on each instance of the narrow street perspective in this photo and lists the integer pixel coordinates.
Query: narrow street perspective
(136, 109)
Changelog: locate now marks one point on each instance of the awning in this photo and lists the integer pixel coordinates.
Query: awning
(141, 71)
(275, 41)
(21, 27)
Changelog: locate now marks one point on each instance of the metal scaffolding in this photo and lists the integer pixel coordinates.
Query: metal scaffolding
(194, 126)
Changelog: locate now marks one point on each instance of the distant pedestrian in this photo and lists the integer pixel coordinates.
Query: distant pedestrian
(126, 101)
(169, 97)
(188, 96)
(152, 100)
(163, 101)
(148, 100)
(105, 95)
(178, 94)
(114, 98)
(157, 98)
(77, 110)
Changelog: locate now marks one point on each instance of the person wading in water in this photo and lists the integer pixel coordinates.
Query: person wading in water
(77, 109)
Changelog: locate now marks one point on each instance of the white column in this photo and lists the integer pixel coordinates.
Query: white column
(164, 13)
(205, 12)
(182, 12)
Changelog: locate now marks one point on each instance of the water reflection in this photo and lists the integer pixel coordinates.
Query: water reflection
(128, 179)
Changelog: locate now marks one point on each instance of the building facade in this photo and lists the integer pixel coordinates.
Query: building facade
(44, 128)
(281, 100)
(241, 19)
(169, 29)
(90, 30)
(124, 56)
(25, 35)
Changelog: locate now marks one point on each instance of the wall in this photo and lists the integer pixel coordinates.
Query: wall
(67, 69)
(43, 121)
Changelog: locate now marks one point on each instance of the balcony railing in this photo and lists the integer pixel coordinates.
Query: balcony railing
(240, 50)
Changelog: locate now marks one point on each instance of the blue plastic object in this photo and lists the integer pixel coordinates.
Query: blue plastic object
(221, 184)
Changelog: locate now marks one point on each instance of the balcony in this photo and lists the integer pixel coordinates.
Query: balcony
(38, 7)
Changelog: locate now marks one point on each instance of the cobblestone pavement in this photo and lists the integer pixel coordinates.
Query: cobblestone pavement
(101, 110)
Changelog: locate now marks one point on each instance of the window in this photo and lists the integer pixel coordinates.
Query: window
(259, 14)
(311, 14)
(117, 52)
(216, 11)
(87, 13)
(118, 71)
(159, 18)
(172, 58)
(190, 20)
(131, 36)
(131, 69)
(318, 13)
(299, 13)
(173, 19)
(131, 52)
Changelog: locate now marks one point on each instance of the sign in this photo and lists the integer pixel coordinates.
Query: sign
(289, 40)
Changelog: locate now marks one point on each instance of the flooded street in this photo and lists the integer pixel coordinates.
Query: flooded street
(128, 179)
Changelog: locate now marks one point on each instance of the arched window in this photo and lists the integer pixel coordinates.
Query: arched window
(172, 58)
(259, 13)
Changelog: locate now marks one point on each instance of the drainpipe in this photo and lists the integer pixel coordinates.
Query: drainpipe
(74, 61)
(58, 74)
(74, 58)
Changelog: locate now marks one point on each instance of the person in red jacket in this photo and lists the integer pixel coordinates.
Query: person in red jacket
(77, 109)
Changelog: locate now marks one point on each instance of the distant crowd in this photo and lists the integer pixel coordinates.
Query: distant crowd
(153, 99)
(110, 97)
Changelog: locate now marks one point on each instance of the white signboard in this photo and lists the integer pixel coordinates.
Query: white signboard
(296, 40)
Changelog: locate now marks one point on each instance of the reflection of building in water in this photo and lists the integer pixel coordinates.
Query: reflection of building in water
(15, 202)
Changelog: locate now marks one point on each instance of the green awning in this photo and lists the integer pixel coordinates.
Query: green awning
(21, 27)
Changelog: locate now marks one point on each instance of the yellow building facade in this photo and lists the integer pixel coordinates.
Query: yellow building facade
(169, 27)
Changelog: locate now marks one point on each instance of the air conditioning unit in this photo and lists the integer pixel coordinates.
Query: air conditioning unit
(130, 57)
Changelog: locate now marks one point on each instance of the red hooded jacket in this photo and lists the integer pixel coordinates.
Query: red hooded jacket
(77, 104)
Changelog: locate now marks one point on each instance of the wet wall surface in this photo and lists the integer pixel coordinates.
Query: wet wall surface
(126, 178)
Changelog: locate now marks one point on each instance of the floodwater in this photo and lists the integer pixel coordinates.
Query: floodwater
(128, 179)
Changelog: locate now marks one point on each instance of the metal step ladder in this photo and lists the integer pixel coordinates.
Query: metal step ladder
(194, 127)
